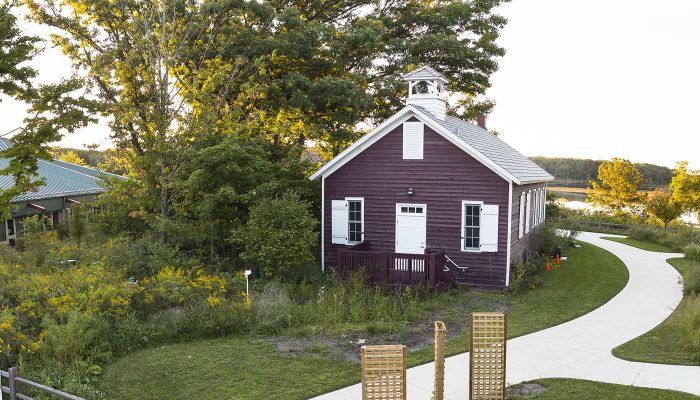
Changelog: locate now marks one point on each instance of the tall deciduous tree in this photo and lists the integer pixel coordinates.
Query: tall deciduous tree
(685, 185)
(53, 109)
(177, 76)
(662, 205)
(616, 188)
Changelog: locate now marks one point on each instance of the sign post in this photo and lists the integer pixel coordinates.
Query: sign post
(247, 287)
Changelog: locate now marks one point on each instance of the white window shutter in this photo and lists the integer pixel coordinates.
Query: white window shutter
(521, 227)
(489, 228)
(537, 207)
(413, 140)
(528, 211)
(339, 222)
(544, 204)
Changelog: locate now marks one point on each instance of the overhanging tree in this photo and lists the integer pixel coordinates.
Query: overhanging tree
(177, 76)
(53, 109)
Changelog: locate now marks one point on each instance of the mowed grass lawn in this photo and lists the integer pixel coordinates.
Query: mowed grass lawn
(642, 244)
(559, 389)
(251, 368)
(660, 345)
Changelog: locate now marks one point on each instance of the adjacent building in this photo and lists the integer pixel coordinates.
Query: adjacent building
(66, 184)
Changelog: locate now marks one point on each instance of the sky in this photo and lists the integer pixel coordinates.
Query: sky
(585, 79)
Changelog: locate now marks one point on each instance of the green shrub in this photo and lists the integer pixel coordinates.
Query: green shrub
(646, 233)
(691, 281)
(524, 276)
(676, 238)
(279, 236)
(181, 324)
(271, 309)
(79, 378)
(82, 336)
(352, 300)
(692, 251)
(548, 237)
(686, 322)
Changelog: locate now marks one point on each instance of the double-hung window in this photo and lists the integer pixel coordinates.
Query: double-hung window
(479, 226)
(472, 226)
(354, 221)
(347, 220)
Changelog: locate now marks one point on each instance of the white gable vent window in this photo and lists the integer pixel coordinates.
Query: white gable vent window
(479, 226)
(412, 140)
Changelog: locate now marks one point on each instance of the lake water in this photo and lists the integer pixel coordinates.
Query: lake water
(690, 218)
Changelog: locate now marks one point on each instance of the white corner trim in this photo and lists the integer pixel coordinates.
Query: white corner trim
(394, 121)
(323, 224)
(510, 231)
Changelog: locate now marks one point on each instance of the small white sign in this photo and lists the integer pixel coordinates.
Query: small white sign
(248, 272)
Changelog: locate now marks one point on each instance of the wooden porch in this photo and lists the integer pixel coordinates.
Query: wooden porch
(393, 268)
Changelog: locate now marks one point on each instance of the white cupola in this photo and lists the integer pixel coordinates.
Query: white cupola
(426, 88)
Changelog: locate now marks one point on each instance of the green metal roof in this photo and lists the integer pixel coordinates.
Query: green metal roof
(63, 179)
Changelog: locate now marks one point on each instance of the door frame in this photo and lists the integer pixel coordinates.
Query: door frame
(398, 213)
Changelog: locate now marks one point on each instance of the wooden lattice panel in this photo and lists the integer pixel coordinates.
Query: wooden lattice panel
(383, 372)
(439, 387)
(487, 356)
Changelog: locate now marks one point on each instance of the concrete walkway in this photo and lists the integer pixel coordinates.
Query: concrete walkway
(581, 348)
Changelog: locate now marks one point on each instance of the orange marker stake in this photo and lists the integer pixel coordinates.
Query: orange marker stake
(548, 269)
(557, 260)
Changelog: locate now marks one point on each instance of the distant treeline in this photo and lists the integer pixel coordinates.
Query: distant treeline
(574, 172)
(92, 158)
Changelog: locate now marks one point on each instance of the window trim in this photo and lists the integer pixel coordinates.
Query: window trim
(463, 226)
(362, 221)
(521, 215)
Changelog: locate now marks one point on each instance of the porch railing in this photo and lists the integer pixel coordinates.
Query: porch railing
(393, 268)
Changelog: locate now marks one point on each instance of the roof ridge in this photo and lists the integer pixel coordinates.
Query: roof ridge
(72, 170)
(86, 167)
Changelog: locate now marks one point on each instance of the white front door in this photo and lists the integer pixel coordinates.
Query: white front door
(410, 228)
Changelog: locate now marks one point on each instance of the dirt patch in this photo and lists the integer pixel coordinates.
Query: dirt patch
(414, 335)
(525, 390)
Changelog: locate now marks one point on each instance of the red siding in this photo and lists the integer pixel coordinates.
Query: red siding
(442, 179)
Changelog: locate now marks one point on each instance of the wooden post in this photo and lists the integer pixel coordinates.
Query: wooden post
(439, 387)
(12, 385)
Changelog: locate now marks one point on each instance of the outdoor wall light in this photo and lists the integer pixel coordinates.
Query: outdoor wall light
(410, 192)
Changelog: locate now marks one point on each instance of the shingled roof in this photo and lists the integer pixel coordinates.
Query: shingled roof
(424, 72)
(62, 179)
(489, 149)
(495, 149)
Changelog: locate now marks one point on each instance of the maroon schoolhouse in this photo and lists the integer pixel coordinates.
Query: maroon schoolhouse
(426, 181)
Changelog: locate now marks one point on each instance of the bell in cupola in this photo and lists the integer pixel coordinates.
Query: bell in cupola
(426, 90)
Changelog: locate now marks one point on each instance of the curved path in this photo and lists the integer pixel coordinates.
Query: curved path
(581, 348)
